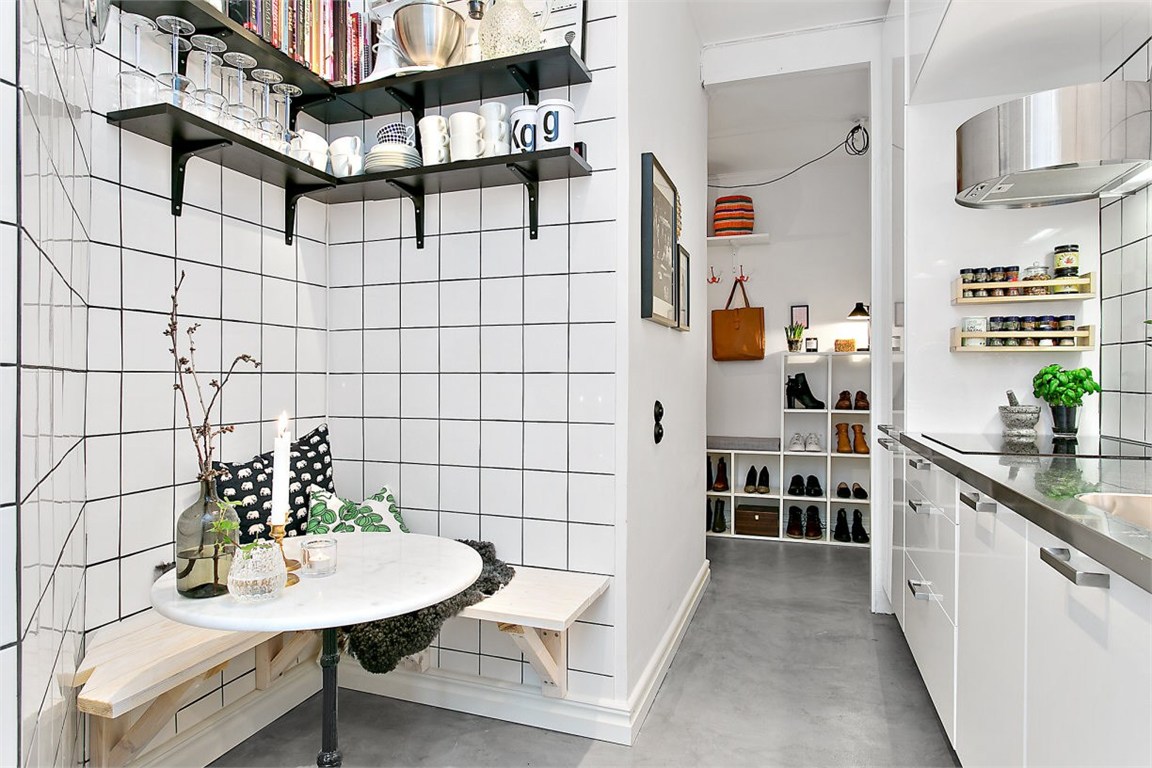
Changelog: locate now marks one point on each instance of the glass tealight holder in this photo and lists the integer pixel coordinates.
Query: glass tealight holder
(318, 557)
(257, 573)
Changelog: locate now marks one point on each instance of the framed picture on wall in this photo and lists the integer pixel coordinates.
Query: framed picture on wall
(683, 291)
(800, 314)
(658, 255)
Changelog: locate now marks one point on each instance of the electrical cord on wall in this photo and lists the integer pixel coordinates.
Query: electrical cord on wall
(856, 143)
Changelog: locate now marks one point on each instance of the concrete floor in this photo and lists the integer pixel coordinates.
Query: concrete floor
(783, 664)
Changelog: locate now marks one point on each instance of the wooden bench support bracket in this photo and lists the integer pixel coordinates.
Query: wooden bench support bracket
(270, 665)
(547, 652)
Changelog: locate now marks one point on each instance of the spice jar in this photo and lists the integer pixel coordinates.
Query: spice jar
(996, 323)
(998, 292)
(1027, 341)
(1012, 342)
(1067, 322)
(1067, 342)
(1034, 273)
(1046, 342)
(1066, 260)
(1047, 323)
(980, 275)
(980, 293)
(1010, 323)
(968, 293)
(1011, 274)
(966, 276)
(996, 274)
(995, 342)
(1028, 323)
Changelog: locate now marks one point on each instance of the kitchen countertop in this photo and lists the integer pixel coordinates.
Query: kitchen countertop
(1043, 489)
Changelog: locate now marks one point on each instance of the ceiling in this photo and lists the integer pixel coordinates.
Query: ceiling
(719, 21)
(779, 122)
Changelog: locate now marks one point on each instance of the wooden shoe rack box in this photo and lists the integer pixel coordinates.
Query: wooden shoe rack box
(757, 520)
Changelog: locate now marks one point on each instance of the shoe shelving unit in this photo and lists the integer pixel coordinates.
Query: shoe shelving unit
(827, 373)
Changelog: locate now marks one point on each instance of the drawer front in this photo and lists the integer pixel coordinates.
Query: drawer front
(757, 521)
(930, 542)
(928, 481)
(932, 638)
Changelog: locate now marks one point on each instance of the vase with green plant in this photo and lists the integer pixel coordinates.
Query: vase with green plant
(1064, 391)
(794, 332)
(208, 531)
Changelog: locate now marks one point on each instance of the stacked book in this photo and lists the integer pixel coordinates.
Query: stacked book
(320, 34)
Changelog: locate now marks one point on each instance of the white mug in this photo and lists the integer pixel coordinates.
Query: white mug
(495, 116)
(432, 123)
(310, 142)
(555, 124)
(465, 123)
(349, 145)
(434, 138)
(346, 165)
(523, 128)
(495, 148)
(434, 154)
(466, 146)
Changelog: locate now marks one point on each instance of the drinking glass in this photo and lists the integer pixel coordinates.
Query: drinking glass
(270, 129)
(137, 87)
(211, 102)
(241, 116)
(180, 87)
(318, 557)
(288, 91)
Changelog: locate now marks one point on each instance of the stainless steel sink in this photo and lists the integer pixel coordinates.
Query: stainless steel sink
(1134, 508)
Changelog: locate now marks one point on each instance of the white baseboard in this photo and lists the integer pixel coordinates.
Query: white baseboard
(595, 719)
(231, 726)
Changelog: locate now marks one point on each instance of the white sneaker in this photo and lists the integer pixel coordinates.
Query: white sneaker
(812, 443)
(796, 443)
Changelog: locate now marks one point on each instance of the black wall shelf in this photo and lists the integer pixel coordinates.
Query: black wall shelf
(191, 136)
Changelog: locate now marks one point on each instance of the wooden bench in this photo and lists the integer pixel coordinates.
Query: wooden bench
(136, 674)
(536, 610)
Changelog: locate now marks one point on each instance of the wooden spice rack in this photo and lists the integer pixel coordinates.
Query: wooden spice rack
(1086, 284)
(1084, 336)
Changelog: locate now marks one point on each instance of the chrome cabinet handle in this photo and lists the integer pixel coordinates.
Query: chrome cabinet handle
(919, 507)
(919, 464)
(921, 590)
(887, 442)
(977, 504)
(1060, 560)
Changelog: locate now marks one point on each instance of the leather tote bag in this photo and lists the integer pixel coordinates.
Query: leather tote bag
(738, 334)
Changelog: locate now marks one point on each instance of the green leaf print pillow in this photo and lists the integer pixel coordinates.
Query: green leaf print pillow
(328, 513)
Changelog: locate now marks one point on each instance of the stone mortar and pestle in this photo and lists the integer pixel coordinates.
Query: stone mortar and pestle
(1019, 420)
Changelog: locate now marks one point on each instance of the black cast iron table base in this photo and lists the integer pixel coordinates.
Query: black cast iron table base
(329, 755)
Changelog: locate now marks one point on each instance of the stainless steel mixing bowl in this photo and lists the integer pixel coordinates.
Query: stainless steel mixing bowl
(430, 34)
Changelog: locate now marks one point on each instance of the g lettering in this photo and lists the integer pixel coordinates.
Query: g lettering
(551, 125)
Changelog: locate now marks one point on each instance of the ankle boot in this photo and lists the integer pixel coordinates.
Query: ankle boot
(719, 524)
(721, 483)
(858, 492)
(708, 518)
(859, 444)
(709, 486)
(804, 396)
(845, 401)
(812, 527)
(843, 492)
(843, 444)
(862, 403)
(790, 392)
(859, 535)
(795, 529)
(812, 487)
(762, 484)
(796, 487)
(840, 533)
(750, 482)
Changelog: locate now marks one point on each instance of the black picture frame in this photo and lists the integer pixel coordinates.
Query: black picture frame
(683, 290)
(799, 314)
(658, 243)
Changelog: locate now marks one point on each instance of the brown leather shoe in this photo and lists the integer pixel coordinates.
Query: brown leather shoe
(721, 483)
(845, 401)
(795, 529)
(843, 444)
(812, 527)
(862, 403)
(859, 444)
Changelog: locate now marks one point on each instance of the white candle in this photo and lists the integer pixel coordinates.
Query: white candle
(281, 471)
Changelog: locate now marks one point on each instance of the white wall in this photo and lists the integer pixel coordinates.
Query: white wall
(819, 255)
(665, 532)
(957, 392)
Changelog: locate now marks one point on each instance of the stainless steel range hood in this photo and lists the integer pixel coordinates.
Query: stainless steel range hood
(1052, 147)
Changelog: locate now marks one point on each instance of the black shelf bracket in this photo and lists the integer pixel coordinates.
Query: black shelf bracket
(530, 88)
(182, 152)
(531, 183)
(300, 102)
(417, 198)
(414, 108)
(292, 195)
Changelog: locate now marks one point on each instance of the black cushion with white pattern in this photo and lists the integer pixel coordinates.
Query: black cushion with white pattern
(250, 483)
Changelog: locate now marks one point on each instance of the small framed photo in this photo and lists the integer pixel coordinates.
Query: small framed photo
(658, 242)
(683, 291)
(800, 314)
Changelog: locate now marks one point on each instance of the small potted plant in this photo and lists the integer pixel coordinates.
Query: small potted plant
(794, 332)
(1064, 392)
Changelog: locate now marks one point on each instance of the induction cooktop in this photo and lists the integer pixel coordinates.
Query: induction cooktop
(1084, 447)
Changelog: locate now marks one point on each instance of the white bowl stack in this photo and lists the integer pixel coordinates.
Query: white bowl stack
(391, 156)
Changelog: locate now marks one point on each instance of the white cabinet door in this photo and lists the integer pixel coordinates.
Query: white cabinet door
(990, 643)
(932, 638)
(1089, 662)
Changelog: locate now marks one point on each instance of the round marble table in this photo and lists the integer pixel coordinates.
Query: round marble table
(378, 575)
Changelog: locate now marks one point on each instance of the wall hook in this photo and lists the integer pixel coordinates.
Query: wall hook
(742, 277)
(712, 278)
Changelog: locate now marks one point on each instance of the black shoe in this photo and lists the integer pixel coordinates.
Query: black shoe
(708, 517)
(790, 392)
(812, 487)
(840, 533)
(719, 525)
(813, 529)
(858, 492)
(762, 485)
(802, 393)
(721, 483)
(796, 487)
(709, 486)
(843, 492)
(750, 483)
(795, 529)
(859, 535)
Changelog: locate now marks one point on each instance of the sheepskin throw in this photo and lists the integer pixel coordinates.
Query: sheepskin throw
(380, 645)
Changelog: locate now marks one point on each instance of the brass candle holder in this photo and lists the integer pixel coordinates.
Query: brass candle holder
(290, 565)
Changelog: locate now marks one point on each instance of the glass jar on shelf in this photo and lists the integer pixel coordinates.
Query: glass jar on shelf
(1036, 273)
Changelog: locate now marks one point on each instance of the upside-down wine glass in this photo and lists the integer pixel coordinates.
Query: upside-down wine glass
(288, 91)
(210, 100)
(137, 87)
(271, 131)
(241, 115)
(180, 87)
